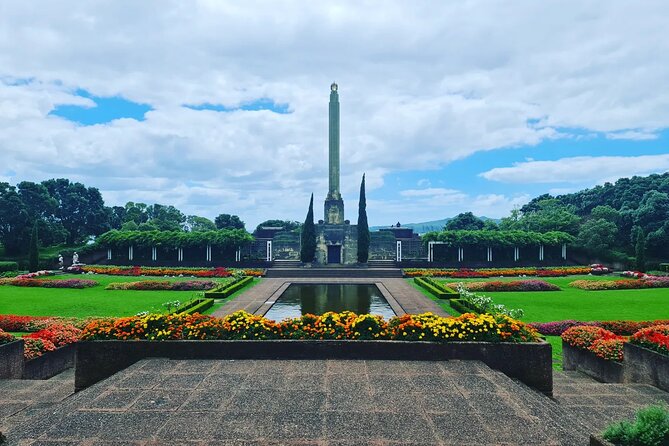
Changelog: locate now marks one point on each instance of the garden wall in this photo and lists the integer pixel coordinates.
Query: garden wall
(587, 362)
(11, 360)
(50, 364)
(646, 366)
(529, 362)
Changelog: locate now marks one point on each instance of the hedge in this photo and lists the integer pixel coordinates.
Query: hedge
(436, 289)
(223, 238)
(498, 238)
(462, 306)
(197, 306)
(228, 290)
(8, 266)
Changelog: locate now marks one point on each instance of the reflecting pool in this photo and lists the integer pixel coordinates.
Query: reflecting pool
(299, 299)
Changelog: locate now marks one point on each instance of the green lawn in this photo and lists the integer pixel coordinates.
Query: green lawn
(95, 301)
(573, 303)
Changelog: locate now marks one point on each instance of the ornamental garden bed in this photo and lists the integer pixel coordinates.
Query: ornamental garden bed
(11, 360)
(528, 362)
(603, 370)
(503, 343)
(646, 366)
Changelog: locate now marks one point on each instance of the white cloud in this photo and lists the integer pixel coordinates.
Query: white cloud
(580, 169)
(632, 135)
(421, 85)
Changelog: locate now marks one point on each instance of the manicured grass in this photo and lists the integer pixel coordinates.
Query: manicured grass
(95, 301)
(573, 303)
(556, 344)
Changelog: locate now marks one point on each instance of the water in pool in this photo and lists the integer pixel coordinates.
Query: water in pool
(299, 299)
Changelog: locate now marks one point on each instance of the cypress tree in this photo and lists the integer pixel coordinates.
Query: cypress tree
(363, 226)
(640, 250)
(308, 250)
(33, 260)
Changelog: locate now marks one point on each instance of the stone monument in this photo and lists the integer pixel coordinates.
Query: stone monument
(336, 239)
(334, 205)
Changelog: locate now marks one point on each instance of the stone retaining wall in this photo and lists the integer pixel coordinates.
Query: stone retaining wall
(528, 362)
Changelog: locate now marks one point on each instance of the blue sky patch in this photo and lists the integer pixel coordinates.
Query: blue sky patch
(258, 104)
(106, 110)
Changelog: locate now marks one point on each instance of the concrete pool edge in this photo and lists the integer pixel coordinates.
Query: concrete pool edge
(392, 302)
(403, 297)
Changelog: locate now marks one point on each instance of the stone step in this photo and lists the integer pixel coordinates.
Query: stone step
(334, 272)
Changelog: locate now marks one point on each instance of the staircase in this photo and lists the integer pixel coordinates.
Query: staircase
(337, 272)
(381, 264)
(286, 264)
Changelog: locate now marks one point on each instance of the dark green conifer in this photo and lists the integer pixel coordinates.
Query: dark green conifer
(640, 250)
(33, 260)
(363, 226)
(308, 250)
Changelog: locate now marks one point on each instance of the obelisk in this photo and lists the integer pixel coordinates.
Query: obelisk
(334, 205)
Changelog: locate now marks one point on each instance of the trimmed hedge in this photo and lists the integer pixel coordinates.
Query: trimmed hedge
(436, 289)
(228, 290)
(462, 306)
(8, 266)
(197, 306)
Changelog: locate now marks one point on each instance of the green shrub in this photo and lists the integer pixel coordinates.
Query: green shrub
(8, 266)
(650, 428)
(228, 289)
(435, 288)
(197, 306)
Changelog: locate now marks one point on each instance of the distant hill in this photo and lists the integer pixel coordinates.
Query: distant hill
(422, 228)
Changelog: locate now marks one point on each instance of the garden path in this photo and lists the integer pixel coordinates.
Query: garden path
(313, 402)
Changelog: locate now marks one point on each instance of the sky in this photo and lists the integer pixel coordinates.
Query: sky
(221, 106)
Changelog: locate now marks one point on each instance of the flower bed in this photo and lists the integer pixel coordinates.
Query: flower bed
(654, 338)
(465, 273)
(158, 271)
(6, 338)
(60, 283)
(163, 285)
(593, 351)
(515, 285)
(624, 284)
(585, 337)
(35, 274)
(622, 328)
(346, 325)
(500, 342)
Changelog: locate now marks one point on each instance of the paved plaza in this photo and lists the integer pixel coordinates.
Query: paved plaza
(313, 402)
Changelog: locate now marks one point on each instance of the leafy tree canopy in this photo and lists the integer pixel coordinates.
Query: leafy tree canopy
(465, 221)
(286, 224)
(227, 221)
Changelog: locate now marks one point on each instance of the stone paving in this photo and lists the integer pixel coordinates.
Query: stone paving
(313, 402)
(409, 299)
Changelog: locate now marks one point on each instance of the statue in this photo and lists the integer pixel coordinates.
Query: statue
(75, 258)
(60, 261)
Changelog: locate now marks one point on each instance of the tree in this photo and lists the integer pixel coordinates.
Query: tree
(196, 223)
(543, 216)
(13, 219)
(166, 218)
(639, 248)
(363, 226)
(597, 236)
(465, 221)
(136, 212)
(227, 221)
(81, 210)
(285, 224)
(33, 260)
(308, 236)
(490, 225)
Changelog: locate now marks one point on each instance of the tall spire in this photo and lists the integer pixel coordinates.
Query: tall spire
(333, 191)
(334, 205)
